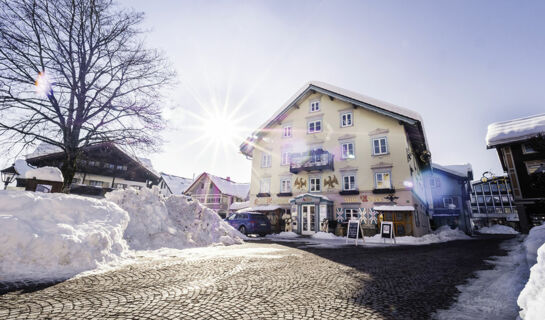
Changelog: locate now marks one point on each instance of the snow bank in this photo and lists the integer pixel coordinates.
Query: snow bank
(515, 130)
(45, 173)
(532, 298)
(442, 234)
(325, 235)
(283, 235)
(498, 229)
(55, 236)
(171, 222)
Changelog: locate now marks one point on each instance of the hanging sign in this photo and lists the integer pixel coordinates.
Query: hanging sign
(387, 231)
(353, 231)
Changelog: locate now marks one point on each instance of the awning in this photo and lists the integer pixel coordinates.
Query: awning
(270, 207)
(394, 208)
(239, 205)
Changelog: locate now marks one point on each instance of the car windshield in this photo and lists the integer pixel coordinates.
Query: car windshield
(259, 217)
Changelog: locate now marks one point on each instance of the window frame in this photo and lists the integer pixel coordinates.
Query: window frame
(284, 155)
(354, 185)
(382, 173)
(312, 104)
(287, 128)
(386, 147)
(266, 159)
(526, 149)
(309, 122)
(352, 212)
(348, 156)
(282, 181)
(344, 113)
(319, 185)
(445, 204)
(262, 182)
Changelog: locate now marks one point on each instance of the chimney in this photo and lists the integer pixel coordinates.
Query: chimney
(228, 178)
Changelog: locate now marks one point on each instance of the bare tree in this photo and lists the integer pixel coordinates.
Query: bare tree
(75, 73)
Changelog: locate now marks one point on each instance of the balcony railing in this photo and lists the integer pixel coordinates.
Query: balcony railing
(315, 160)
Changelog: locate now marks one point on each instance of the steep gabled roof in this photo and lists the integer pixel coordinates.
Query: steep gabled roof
(176, 184)
(402, 114)
(228, 187)
(460, 170)
(515, 130)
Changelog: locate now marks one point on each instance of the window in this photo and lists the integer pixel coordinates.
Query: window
(109, 166)
(347, 150)
(265, 160)
(349, 182)
(486, 188)
(380, 146)
(480, 199)
(315, 184)
(447, 201)
(532, 166)
(120, 186)
(75, 180)
(119, 167)
(478, 188)
(91, 163)
(314, 126)
(494, 187)
(382, 180)
(286, 131)
(285, 158)
(265, 185)
(314, 106)
(285, 185)
(95, 183)
(435, 182)
(527, 148)
(346, 119)
(352, 214)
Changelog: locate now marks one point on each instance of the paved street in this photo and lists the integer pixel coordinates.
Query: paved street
(292, 282)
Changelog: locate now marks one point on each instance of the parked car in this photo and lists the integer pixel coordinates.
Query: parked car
(250, 223)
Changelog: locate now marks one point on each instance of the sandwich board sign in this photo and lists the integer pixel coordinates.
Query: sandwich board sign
(387, 231)
(353, 231)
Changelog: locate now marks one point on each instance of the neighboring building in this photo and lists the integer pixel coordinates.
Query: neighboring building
(492, 203)
(217, 193)
(329, 153)
(448, 202)
(100, 168)
(171, 184)
(520, 144)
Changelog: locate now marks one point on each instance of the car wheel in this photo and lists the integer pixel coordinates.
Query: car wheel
(262, 234)
(242, 229)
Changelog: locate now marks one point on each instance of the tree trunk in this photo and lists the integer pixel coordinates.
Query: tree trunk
(68, 169)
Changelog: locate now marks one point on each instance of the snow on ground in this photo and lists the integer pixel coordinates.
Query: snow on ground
(329, 240)
(498, 229)
(171, 222)
(55, 236)
(44, 173)
(532, 298)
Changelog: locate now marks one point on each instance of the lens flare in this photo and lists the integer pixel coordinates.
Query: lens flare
(43, 85)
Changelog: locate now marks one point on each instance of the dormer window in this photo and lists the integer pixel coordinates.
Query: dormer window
(314, 106)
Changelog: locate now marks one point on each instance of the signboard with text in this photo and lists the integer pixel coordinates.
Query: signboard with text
(353, 231)
(387, 231)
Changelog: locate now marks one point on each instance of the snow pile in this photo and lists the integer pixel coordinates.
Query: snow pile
(515, 130)
(55, 236)
(283, 235)
(442, 234)
(21, 166)
(498, 229)
(532, 298)
(171, 222)
(325, 235)
(45, 173)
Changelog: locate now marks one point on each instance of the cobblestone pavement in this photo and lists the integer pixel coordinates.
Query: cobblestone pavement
(408, 282)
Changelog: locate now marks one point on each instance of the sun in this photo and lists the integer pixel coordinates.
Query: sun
(221, 128)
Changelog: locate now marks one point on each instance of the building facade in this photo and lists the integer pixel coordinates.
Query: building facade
(217, 193)
(449, 195)
(100, 168)
(520, 144)
(492, 202)
(331, 155)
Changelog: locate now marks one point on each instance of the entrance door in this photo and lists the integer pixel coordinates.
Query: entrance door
(308, 216)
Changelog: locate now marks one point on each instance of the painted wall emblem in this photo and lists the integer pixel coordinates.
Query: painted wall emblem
(300, 183)
(331, 182)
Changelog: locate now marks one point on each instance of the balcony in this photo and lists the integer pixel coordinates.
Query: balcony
(315, 160)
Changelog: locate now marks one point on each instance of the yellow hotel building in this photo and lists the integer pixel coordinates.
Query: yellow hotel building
(329, 155)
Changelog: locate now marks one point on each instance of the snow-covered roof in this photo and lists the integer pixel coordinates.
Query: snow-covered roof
(45, 173)
(515, 130)
(239, 205)
(43, 149)
(21, 166)
(354, 98)
(461, 170)
(229, 187)
(394, 208)
(176, 184)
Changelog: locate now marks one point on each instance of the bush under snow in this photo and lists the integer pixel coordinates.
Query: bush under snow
(532, 298)
(55, 236)
(172, 222)
(498, 229)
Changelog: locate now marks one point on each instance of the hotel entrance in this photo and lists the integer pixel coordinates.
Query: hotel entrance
(308, 216)
(310, 211)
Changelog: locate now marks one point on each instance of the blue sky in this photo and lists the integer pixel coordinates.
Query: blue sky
(461, 64)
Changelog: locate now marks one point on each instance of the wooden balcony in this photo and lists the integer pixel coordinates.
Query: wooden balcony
(315, 160)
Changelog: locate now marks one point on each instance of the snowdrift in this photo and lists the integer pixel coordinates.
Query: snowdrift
(175, 221)
(498, 229)
(55, 236)
(532, 298)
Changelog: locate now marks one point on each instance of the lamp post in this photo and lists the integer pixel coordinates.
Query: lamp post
(8, 175)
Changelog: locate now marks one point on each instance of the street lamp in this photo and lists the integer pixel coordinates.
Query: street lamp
(8, 175)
